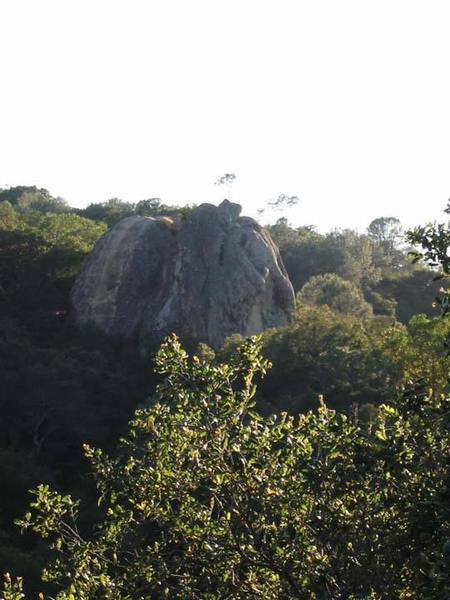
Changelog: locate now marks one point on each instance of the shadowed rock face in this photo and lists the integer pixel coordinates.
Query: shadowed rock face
(213, 275)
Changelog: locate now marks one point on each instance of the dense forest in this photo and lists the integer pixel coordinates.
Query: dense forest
(363, 362)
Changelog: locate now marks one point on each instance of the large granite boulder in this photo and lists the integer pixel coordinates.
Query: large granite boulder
(207, 277)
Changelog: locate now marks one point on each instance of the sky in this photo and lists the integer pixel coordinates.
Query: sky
(345, 104)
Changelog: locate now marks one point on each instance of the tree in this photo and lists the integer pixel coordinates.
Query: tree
(435, 241)
(24, 198)
(149, 207)
(385, 231)
(411, 293)
(205, 498)
(337, 293)
(111, 211)
(357, 257)
(281, 203)
(115, 209)
(386, 234)
(40, 254)
(226, 181)
(209, 500)
(306, 253)
(284, 201)
(330, 353)
(418, 350)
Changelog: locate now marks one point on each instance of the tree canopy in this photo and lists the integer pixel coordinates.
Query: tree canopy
(337, 293)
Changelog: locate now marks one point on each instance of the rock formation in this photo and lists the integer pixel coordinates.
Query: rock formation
(206, 278)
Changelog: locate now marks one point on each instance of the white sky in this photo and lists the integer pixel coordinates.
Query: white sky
(343, 103)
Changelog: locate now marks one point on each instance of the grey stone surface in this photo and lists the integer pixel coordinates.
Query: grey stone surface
(206, 278)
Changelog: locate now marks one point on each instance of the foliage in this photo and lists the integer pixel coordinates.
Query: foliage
(337, 293)
(435, 241)
(226, 179)
(209, 500)
(350, 361)
(40, 255)
(385, 231)
(23, 198)
(418, 350)
(307, 253)
(330, 353)
(381, 305)
(376, 263)
(12, 590)
(386, 234)
(281, 203)
(410, 293)
(61, 387)
(114, 209)
(110, 211)
(57, 384)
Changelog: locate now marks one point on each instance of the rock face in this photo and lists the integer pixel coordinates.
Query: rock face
(206, 278)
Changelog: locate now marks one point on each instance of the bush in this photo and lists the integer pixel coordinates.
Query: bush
(337, 293)
(207, 499)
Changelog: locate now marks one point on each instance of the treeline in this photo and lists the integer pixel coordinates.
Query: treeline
(375, 264)
(363, 327)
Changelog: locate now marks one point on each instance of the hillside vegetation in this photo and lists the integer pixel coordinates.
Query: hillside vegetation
(329, 480)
